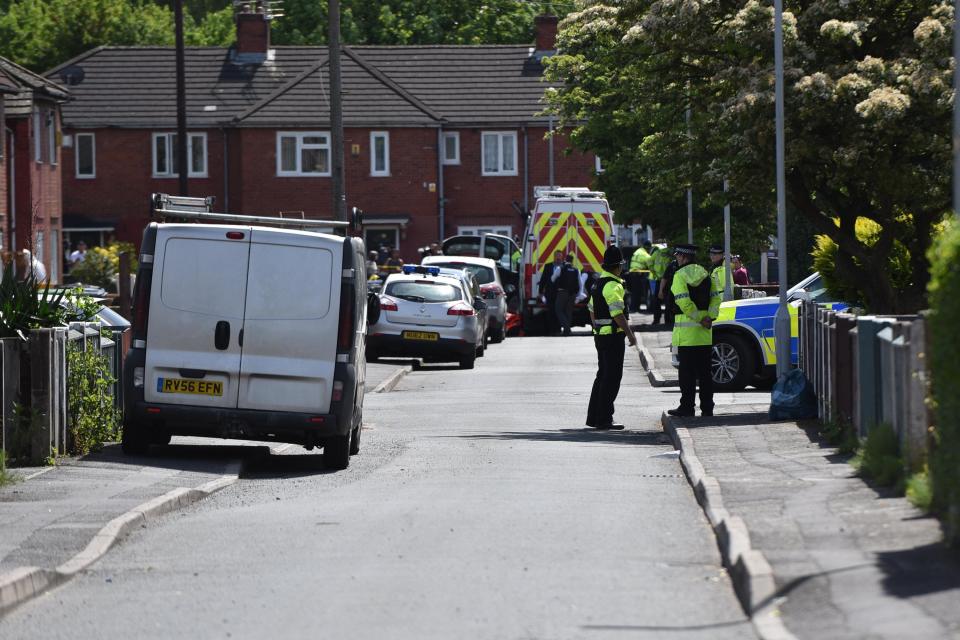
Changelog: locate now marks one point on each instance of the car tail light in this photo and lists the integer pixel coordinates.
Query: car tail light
(388, 304)
(337, 391)
(141, 305)
(235, 235)
(491, 291)
(460, 309)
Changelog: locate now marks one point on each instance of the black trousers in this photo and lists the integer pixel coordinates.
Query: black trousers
(639, 287)
(694, 369)
(606, 385)
(653, 302)
(563, 306)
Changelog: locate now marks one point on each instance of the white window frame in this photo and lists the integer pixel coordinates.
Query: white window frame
(598, 165)
(374, 136)
(93, 153)
(167, 137)
(300, 135)
(52, 150)
(37, 136)
(451, 135)
(501, 137)
(481, 229)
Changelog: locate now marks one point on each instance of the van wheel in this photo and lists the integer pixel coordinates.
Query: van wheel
(355, 438)
(134, 441)
(498, 336)
(732, 364)
(467, 362)
(336, 451)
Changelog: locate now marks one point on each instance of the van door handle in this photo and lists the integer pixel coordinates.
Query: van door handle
(240, 338)
(221, 336)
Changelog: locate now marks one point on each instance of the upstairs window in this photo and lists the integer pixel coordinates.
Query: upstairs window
(379, 153)
(499, 153)
(85, 152)
(451, 147)
(165, 155)
(303, 154)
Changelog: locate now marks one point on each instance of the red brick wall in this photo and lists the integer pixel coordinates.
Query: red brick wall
(38, 195)
(4, 168)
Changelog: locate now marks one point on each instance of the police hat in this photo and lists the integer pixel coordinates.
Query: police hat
(612, 257)
(686, 249)
(715, 248)
(647, 244)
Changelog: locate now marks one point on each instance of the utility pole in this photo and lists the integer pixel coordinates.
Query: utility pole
(182, 142)
(336, 111)
(689, 194)
(781, 327)
(956, 114)
(728, 277)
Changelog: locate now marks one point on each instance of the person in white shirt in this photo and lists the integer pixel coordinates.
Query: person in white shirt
(28, 266)
(77, 256)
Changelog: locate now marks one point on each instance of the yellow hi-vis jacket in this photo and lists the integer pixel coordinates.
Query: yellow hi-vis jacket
(640, 260)
(719, 276)
(659, 263)
(612, 293)
(687, 330)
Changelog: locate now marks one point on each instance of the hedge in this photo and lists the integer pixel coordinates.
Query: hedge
(944, 324)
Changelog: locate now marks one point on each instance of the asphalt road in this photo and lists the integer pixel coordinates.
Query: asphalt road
(479, 507)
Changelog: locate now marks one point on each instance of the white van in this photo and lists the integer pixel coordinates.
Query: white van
(246, 331)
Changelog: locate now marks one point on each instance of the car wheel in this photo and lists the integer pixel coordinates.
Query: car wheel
(732, 363)
(467, 362)
(336, 451)
(134, 441)
(355, 438)
(497, 335)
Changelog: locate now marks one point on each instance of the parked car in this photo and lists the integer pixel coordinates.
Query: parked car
(491, 288)
(744, 346)
(428, 314)
(245, 331)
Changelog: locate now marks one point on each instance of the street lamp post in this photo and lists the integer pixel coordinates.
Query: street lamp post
(782, 321)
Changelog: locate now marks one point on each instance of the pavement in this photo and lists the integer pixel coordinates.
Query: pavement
(808, 542)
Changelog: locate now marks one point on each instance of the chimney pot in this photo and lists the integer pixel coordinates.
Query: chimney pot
(545, 28)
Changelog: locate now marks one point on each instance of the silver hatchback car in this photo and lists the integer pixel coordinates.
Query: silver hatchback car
(429, 315)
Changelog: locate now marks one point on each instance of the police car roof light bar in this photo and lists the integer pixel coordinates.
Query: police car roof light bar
(167, 206)
(409, 269)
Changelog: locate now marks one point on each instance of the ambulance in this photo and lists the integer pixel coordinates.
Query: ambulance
(574, 221)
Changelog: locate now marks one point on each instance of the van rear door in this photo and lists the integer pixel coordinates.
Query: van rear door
(291, 321)
(196, 315)
(591, 229)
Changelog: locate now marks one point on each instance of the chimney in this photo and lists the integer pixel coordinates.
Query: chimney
(546, 31)
(253, 30)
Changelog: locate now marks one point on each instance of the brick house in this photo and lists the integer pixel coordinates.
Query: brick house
(438, 139)
(30, 183)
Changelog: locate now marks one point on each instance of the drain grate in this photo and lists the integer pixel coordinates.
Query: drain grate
(661, 475)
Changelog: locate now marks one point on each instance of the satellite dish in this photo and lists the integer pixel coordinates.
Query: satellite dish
(72, 75)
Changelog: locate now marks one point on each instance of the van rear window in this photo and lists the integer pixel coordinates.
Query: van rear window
(423, 291)
(205, 276)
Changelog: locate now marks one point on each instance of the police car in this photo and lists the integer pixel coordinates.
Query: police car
(430, 313)
(744, 347)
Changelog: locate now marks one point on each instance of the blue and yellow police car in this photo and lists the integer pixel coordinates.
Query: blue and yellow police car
(744, 347)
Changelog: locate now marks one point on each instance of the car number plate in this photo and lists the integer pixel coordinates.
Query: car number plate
(421, 335)
(196, 387)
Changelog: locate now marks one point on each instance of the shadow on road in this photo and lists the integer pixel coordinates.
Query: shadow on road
(183, 457)
(274, 467)
(585, 435)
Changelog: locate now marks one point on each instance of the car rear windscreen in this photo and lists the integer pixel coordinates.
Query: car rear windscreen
(483, 274)
(423, 291)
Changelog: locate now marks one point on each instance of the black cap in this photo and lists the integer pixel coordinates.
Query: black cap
(715, 248)
(686, 249)
(612, 257)
(647, 243)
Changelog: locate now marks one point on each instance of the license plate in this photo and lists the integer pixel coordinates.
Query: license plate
(196, 387)
(421, 335)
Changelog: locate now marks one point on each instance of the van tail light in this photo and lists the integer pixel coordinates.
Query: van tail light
(528, 277)
(491, 291)
(388, 304)
(141, 305)
(337, 391)
(345, 333)
(460, 309)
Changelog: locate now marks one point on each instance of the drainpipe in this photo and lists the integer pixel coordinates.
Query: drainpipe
(226, 171)
(441, 200)
(526, 170)
(550, 152)
(12, 189)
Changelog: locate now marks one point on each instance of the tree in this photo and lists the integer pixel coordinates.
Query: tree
(868, 104)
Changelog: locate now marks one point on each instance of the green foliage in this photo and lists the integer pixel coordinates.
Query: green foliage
(868, 106)
(841, 435)
(20, 438)
(879, 459)
(945, 372)
(102, 264)
(5, 476)
(25, 305)
(868, 233)
(94, 418)
(919, 490)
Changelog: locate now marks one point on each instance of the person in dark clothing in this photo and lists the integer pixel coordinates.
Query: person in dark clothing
(567, 286)
(666, 295)
(610, 327)
(548, 290)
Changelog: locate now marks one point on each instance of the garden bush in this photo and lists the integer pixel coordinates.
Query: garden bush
(944, 330)
(101, 265)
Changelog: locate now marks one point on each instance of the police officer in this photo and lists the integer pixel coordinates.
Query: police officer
(718, 271)
(639, 276)
(697, 304)
(659, 261)
(567, 286)
(610, 325)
